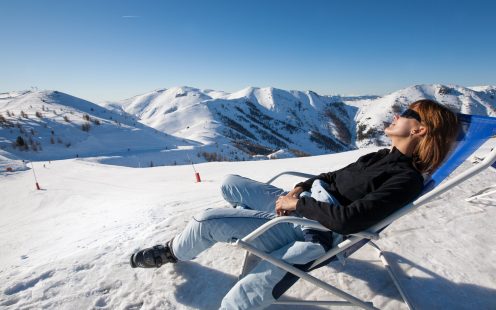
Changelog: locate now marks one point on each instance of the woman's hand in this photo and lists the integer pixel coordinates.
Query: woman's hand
(285, 204)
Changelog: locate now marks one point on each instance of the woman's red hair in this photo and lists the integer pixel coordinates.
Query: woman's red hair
(442, 128)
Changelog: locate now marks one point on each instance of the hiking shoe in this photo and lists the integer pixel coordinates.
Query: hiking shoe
(153, 257)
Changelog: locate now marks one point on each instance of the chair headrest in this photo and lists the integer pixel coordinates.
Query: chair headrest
(474, 131)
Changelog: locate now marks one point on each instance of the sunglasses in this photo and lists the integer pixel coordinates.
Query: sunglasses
(409, 113)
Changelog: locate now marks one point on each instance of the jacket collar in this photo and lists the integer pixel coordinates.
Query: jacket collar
(396, 155)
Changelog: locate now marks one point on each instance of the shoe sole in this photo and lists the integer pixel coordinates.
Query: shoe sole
(133, 265)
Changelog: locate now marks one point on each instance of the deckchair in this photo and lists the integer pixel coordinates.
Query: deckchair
(474, 131)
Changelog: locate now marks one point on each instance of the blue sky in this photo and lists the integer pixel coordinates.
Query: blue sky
(111, 50)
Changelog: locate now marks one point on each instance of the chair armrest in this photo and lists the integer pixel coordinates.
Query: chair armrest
(283, 219)
(295, 173)
(303, 222)
(367, 235)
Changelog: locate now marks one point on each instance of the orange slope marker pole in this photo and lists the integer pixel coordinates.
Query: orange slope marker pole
(35, 179)
(197, 174)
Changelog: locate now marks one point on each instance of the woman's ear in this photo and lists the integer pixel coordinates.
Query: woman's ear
(419, 131)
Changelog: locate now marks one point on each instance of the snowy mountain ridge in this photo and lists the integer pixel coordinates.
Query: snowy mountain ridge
(270, 119)
(180, 124)
(258, 121)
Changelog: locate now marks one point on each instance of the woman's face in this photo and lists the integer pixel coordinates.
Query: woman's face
(401, 127)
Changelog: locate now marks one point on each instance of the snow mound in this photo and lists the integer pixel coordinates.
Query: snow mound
(9, 163)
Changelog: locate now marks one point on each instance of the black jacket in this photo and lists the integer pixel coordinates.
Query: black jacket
(369, 190)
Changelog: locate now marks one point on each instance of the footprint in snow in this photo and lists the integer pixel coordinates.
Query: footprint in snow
(24, 285)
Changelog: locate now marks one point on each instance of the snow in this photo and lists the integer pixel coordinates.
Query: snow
(280, 154)
(67, 246)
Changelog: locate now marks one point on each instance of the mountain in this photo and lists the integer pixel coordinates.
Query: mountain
(257, 121)
(46, 125)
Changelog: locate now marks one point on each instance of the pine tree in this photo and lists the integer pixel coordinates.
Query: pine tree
(20, 141)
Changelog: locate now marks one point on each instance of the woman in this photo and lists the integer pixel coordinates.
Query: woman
(346, 201)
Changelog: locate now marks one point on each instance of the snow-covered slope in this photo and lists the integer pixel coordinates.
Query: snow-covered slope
(41, 125)
(68, 245)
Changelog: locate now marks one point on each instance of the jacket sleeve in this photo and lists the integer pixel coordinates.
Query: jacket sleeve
(326, 177)
(307, 185)
(362, 213)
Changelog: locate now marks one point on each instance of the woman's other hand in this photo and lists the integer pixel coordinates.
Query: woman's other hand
(295, 192)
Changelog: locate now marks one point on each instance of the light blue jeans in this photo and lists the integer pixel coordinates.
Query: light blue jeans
(255, 203)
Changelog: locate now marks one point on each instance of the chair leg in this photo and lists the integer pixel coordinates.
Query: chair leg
(392, 275)
(249, 262)
(303, 275)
